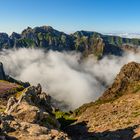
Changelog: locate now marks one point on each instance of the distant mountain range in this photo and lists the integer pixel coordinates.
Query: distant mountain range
(86, 42)
(26, 112)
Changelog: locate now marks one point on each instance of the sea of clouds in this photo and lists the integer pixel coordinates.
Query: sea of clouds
(63, 75)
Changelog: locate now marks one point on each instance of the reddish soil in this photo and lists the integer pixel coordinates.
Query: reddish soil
(5, 86)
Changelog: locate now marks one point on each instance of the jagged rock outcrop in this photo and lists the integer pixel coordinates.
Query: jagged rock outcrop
(30, 116)
(127, 81)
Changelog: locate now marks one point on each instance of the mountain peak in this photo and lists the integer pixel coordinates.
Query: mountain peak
(46, 27)
(127, 81)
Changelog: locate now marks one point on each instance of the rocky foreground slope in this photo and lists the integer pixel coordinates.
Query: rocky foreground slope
(116, 114)
(29, 115)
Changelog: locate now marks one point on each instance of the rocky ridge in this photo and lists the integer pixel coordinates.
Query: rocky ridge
(127, 81)
(85, 42)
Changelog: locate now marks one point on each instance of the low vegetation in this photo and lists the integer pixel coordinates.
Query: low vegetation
(64, 118)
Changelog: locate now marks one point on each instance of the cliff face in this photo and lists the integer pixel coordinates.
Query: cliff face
(83, 41)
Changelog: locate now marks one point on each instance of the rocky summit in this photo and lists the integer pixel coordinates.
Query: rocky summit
(127, 81)
(86, 42)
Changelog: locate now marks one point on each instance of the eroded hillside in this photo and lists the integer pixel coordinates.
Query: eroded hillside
(116, 115)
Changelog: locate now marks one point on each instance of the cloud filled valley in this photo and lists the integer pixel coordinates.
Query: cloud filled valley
(64, 76)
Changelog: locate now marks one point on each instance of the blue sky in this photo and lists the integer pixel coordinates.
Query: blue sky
(71, 15)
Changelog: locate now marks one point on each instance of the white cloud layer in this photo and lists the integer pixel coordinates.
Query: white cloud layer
(63, 75)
